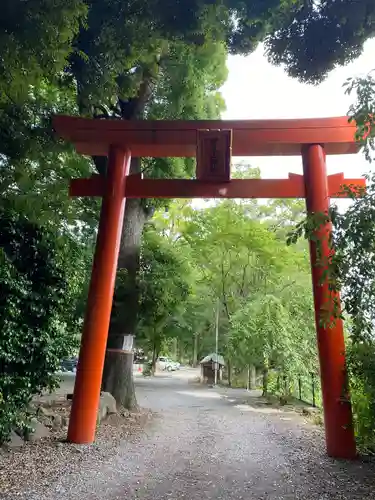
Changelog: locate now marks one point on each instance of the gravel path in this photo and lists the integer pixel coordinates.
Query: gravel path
(205, 444)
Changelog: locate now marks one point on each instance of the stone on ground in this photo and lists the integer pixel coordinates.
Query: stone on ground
(39, 431)
(15, 441)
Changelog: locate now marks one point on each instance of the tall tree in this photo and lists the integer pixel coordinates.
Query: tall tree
(36, 39)
(241, 260)
(165, 284)
(315, 37)
(188, 90)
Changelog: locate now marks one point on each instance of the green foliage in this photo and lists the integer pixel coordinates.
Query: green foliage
(315, 37)
(36, 318)
(238, 254)
(125, 44)
(276, 330)
(363, 110)
(165, 285)
(186, 88)
(36, 37)
(353, 267)
(35, 169)
(361, 367)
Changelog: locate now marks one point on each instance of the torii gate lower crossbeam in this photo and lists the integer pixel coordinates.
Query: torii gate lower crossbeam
(213, 170)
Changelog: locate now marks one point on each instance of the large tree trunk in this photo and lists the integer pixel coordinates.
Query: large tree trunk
(265, 381)
(195, 351)
(118, 378)
(229, 373)
(175, 348)
(118, 368)
(251, 377)
(178, 350)
(155, 352)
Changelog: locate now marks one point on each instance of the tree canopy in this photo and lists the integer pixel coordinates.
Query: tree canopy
(315, 37)
(238, 256)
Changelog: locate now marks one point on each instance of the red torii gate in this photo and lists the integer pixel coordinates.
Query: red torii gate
(213, 143)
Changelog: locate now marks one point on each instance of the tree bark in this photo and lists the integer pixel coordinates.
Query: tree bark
(175, 348)
(119, 378)
(195, 351)
(118, 367)
(252, 377)
(155, 353)
(178, 350)
(265, 381)
(229, 372)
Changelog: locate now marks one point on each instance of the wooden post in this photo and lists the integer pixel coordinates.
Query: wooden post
(83, 417)
(336, 403)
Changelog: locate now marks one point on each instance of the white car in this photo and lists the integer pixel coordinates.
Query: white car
(168, 364)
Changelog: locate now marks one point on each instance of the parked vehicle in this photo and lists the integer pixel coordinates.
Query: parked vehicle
(69, 365)
(168, 364)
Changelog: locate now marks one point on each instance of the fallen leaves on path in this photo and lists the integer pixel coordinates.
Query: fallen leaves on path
(36, 465)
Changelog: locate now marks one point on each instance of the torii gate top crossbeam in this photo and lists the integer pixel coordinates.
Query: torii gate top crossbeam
(179, 138)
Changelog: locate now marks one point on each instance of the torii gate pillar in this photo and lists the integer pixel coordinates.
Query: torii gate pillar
(331, 347)
(82, 423)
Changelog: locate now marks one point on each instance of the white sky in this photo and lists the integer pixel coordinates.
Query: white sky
(257, 90)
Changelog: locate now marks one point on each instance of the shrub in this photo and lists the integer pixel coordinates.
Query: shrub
(361, 367)
(34, 300)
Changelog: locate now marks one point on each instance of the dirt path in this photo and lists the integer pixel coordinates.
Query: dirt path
(205, 444)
